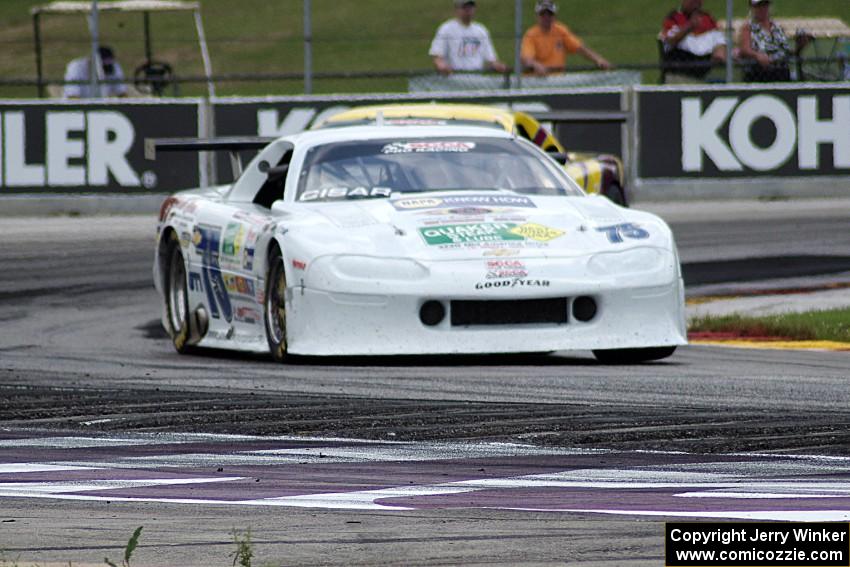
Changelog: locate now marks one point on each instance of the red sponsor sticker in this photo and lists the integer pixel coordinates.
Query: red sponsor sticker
(299, 265)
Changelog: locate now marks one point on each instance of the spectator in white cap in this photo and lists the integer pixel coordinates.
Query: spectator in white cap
(765, 44)
(546, 44)
(461, 44)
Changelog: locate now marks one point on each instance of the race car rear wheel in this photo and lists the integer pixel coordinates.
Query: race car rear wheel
(275, 308)
(176, 295)
(632, 355)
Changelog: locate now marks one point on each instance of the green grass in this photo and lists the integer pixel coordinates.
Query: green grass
(830, 325)
(259, 36)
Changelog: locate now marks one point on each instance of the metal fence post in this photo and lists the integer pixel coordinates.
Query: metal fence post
(94, 67)
(730, 41)
(518, 43)
(308, 47)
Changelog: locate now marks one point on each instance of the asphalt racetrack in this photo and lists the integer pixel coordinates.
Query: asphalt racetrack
(537, 459)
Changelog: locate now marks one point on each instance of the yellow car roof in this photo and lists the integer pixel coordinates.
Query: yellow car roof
(471, 112)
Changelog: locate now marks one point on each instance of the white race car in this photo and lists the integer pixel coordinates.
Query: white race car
(389, 240)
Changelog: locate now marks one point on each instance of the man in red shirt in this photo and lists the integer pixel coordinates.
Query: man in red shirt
(691, 35)
(545, 46)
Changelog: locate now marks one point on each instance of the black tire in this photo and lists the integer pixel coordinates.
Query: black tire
(275, 306)
(176, 295)
(633, 355)
(615, 193)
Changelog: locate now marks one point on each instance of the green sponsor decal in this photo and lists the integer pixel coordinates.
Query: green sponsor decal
(234, 234)
(470, 233)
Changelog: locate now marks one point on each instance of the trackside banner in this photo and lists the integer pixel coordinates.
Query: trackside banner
(59, 147)
(743, 132)
(280, 116)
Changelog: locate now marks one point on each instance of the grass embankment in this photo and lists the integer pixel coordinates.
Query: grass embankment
(258, 36)
(829, 325)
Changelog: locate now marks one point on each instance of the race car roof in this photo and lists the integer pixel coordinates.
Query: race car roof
(473, 112)
(371, 132)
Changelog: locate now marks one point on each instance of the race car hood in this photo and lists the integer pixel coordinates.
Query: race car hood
(453, 226)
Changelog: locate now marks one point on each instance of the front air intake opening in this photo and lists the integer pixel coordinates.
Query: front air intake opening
(432, 313)
(509, 312)
(584, 308)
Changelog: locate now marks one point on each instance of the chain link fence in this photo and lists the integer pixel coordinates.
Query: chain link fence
(329, 46)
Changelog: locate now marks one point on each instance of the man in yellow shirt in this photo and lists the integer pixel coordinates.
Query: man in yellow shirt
(545, 45)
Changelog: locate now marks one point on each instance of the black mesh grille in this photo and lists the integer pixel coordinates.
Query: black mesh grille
(510, 312)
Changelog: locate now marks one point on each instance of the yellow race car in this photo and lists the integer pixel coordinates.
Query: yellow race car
(595, 173)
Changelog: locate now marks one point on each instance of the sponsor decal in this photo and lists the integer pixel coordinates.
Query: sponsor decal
(251, 218)
(502, 252)
(207, 241)
(427, 147)
(618, 232)
(801, 129)
(487, 232)
(299, 265)
(512, 283)
(415, 122)
(248, 259)
(185, 239)
(345, 193)
(195, 282)
(537, 232)
(234, 238)
(470, 211)
(458, 201)
(246, 314)
(238, 285)
(167, 205)
(469, 233)
(503, 269)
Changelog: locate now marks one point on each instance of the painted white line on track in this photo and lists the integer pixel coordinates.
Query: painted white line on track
(725, 486)
(17, 468)
(768, 515)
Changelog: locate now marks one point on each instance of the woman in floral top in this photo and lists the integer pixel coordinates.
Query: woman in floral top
(764, 41)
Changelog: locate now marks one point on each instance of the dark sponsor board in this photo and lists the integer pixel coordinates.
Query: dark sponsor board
(280, 116)
(722, 132)
(93, 147)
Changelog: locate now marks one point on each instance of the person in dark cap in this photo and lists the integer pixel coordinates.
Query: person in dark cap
(765, 44)
(461, 44)
(545, 45)
(78, 76)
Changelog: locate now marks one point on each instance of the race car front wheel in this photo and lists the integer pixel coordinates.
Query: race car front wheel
(275, 311)
(632, 355)
(176, 295)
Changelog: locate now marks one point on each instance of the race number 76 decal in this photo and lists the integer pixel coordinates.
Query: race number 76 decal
(617, 232)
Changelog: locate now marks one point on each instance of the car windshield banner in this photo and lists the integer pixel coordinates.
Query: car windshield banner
(94, 147)
(728, 132)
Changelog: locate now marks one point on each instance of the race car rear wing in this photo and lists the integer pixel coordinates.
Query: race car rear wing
(582, 116)
(233, 145)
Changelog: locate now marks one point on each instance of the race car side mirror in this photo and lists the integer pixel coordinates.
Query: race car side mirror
(273, 173)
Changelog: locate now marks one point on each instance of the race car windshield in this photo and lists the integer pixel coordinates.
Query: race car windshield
(382, 168)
